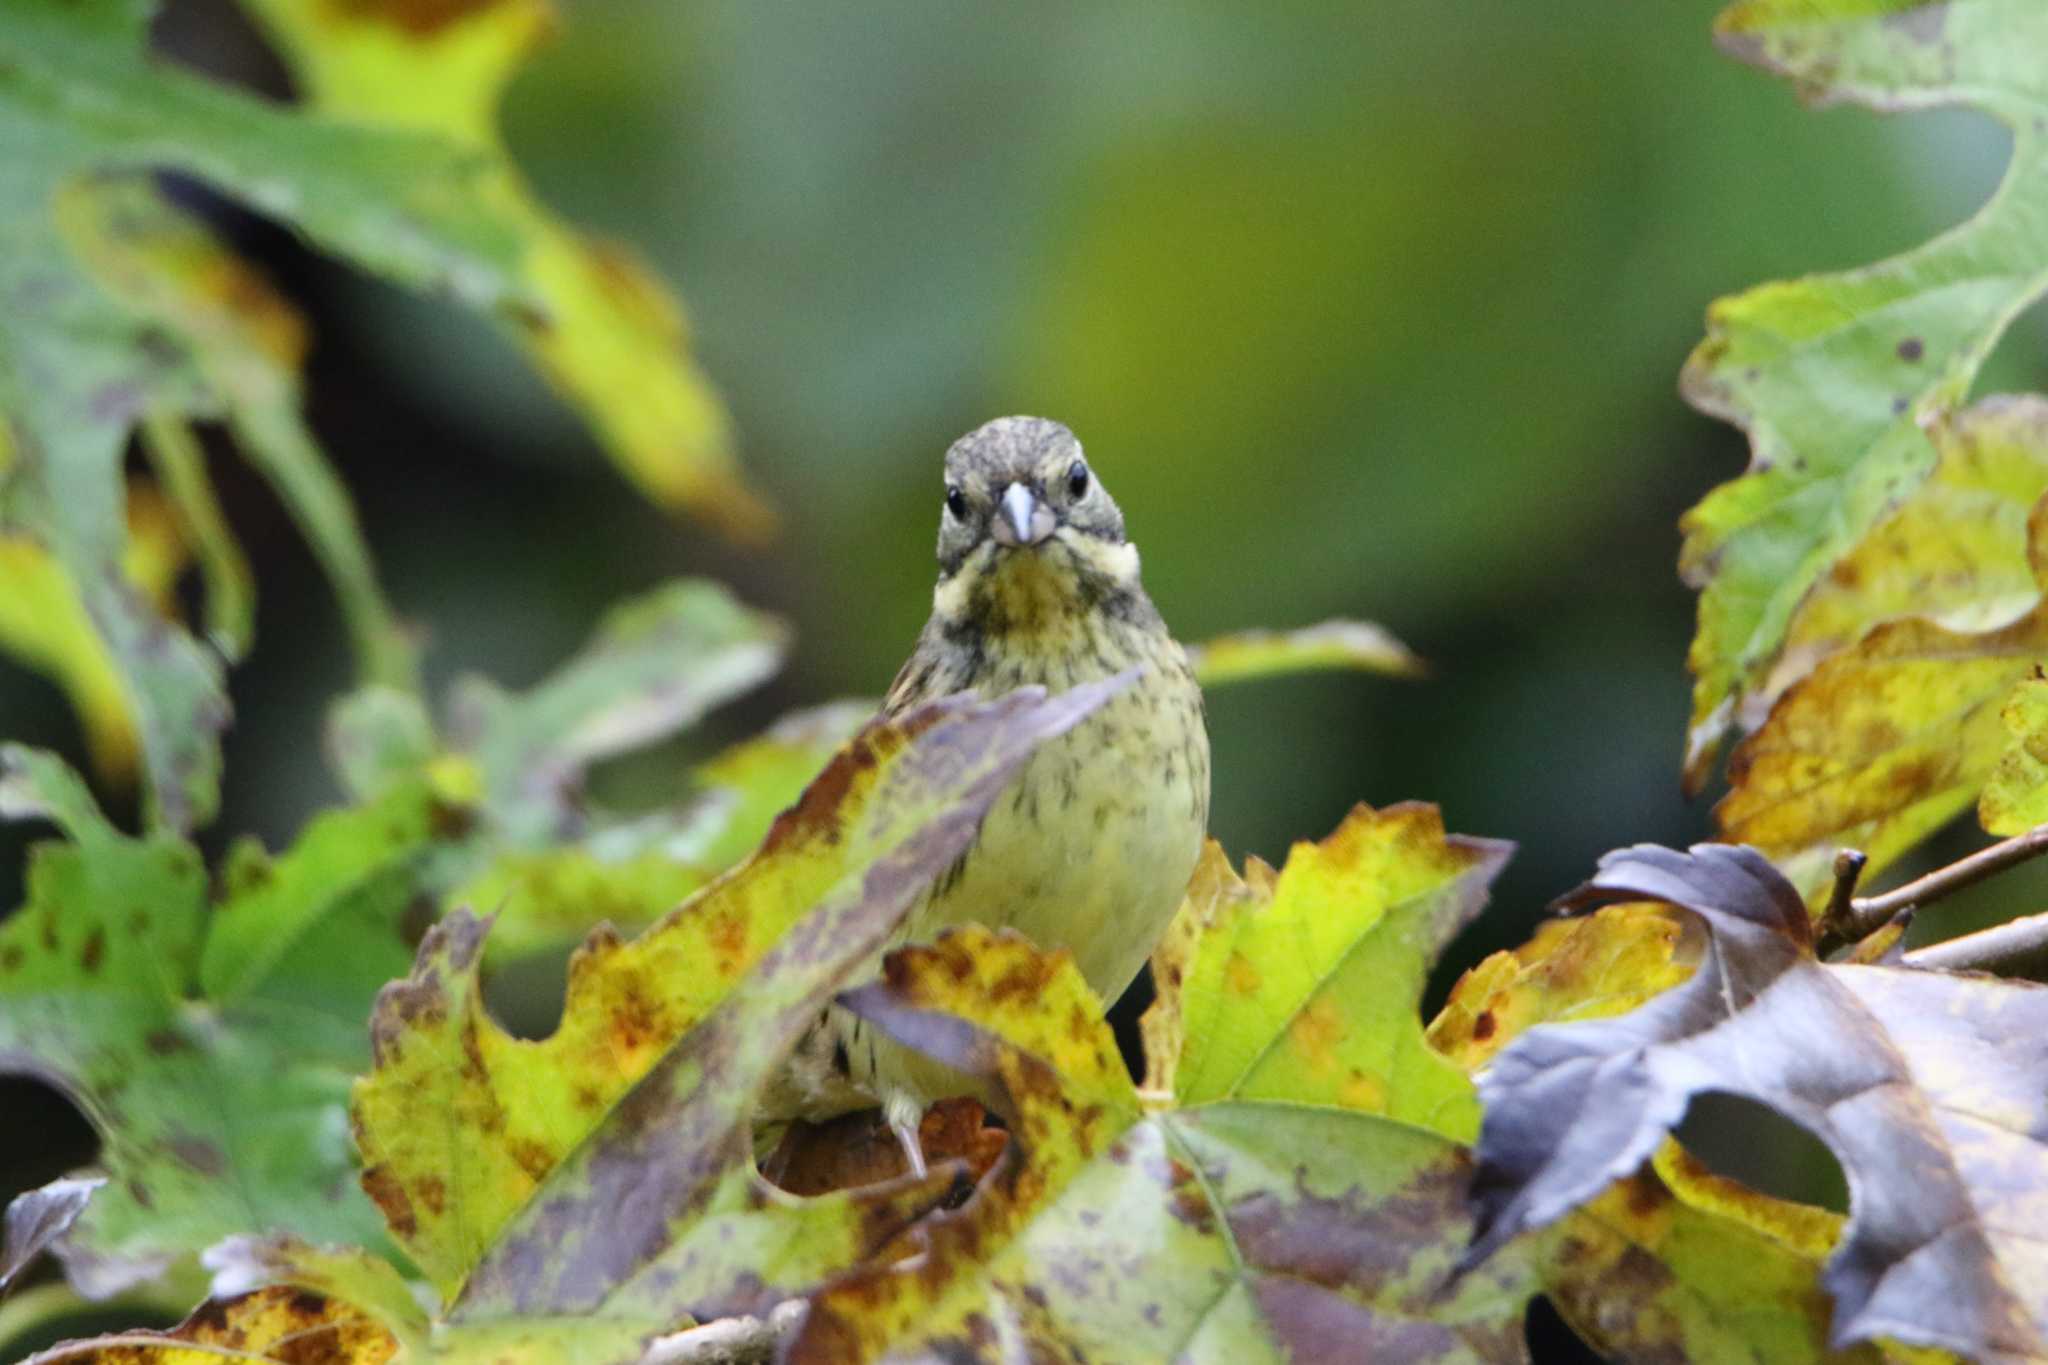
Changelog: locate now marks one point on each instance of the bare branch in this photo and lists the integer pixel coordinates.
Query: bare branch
(1868, 913)
(2018, 948)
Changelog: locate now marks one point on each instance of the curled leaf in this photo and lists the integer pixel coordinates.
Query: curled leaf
(1928, 1091)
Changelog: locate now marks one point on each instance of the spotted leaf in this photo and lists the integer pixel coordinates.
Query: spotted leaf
(1209, 1222)
(104, 993)
(513, 1182)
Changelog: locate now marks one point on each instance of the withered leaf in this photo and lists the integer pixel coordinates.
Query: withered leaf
(1927, 1087)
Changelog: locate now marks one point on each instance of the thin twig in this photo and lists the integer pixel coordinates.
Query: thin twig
(1869, 913)
(1849, 864)
(2018, 948)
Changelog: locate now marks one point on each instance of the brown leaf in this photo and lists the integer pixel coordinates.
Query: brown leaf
(1928, 1088)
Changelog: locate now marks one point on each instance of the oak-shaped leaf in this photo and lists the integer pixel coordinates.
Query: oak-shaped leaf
(1836, 378)
(209, 1044)
(1884, 742)
(1927, 1087)
(1227, 1220)
(607, 1167)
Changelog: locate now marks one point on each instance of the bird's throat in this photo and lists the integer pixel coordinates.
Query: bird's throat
(1046, 590)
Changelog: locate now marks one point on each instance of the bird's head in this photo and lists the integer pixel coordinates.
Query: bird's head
(1026, 528)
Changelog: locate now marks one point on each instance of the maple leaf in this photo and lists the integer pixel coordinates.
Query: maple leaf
(597, 1167)
(1237, 1217)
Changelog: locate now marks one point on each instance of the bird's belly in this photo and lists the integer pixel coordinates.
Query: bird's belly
(1092, 848)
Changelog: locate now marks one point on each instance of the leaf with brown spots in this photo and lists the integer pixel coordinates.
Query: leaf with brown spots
(285, 1326)
(220, 1110)
(1203, 1225)
(1837, 378)
(632, 870)
(1302, 985)
(1582, 968)
(503, 1165)
(1885, 742)
(1926, 1086)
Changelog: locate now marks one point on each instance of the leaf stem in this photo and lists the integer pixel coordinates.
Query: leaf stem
(1866, 914)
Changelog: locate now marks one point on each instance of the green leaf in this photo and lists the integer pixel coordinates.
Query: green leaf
(1283, 983)
(83, 356)
(1202, 1224)
(269, 905)
(247, 345)
(629, 872)
(1835, 377)
(44, 623)
(219, 1113)
(653, 667)
(512, 1180)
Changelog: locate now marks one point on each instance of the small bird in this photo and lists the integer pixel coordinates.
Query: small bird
(1092, 847)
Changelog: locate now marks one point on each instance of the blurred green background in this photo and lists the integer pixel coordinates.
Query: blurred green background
(1369, 310)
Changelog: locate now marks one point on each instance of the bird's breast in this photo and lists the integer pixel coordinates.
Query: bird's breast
(1092, 847)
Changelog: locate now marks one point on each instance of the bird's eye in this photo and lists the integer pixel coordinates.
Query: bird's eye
(956, 503)
(1077, 479)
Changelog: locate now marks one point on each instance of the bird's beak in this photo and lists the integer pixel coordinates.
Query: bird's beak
(1022, 519)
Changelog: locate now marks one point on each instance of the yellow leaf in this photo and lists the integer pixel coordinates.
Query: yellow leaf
(1359, 645)
(606, 334)
(1586, 967)
(1954, 553)
(2015, 798)
(43, 623)
(1884, 742)
(270, 1324)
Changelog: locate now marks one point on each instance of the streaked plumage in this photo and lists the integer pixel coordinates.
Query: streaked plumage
(1092, 848)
